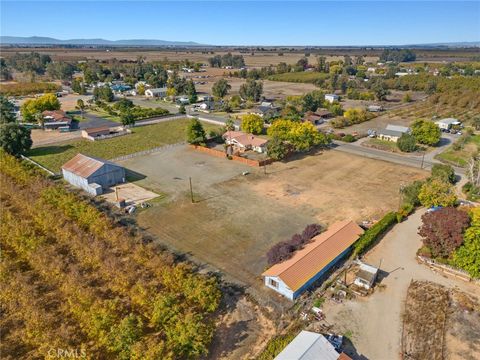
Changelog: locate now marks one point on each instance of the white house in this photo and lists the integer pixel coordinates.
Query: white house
(393, 132)
(331, 97)
(402, 129)
(366, 276)
(446, 124)
(157, 92)
(295, 275)
(308, 345)
(243, 142)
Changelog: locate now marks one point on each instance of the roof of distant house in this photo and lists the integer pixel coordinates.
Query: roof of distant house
(403, 129)
(244, 139)
(448, 121)
(157, 90)
(323, 112)
(317, 254)
(309, 346)
(90, 131)
(56, 116)
(85, 166)
(393, 133)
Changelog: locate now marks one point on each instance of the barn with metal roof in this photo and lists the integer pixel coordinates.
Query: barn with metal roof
(92, 174)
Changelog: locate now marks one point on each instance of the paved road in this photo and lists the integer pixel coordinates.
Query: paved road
(376, 320)
(409, 160)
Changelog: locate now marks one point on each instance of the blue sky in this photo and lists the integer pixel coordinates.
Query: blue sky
(248, 23)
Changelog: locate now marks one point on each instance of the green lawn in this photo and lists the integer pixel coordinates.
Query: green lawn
(300, 77)
(141, 138)
(461, 156)
(105, 115)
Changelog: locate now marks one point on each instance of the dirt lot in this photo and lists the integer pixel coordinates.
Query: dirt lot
(237, 218)
(363, 317)
(133, 194)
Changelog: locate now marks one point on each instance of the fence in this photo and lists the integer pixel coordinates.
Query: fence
(158, 120)
(146, 152)
(221, 154)
(40, 166)
(458, 273)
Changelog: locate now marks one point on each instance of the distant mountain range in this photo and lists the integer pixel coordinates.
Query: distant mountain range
(40, 40)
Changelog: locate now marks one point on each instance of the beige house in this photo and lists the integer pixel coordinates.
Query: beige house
(243, 142)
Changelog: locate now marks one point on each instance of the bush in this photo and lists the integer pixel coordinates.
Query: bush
(471, 191)
(252, 123)
(371, 235)
(442, 230)
(410, 193)
(349, 138)
(284, 250)
(407, 143)
(437, 193)
(444, 173)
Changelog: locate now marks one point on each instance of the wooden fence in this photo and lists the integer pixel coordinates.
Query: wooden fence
(221, 154)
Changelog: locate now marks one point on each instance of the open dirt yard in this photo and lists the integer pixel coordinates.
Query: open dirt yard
(132, 193)
(237, 218)
(375, 322)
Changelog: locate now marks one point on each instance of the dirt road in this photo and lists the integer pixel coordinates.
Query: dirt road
(375, 322)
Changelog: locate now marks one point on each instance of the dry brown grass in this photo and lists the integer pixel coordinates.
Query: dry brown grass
(424, 321)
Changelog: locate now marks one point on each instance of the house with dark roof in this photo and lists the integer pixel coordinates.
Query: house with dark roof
(92, 174)
(53, 119)
(295, 275)
(317, 117)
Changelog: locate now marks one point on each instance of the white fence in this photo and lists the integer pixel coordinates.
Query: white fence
(40, 166)
(146, 152)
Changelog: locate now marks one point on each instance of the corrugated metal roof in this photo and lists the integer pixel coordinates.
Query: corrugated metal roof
(310, 260)
(85, 166)
(403, 129)
(309, 346)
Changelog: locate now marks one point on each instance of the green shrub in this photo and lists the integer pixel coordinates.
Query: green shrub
(371, 235)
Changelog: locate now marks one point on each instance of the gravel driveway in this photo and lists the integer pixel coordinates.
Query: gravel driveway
(375, 321)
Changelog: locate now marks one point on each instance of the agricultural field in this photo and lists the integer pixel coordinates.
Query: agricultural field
(235, 219)
(119, 297)
(27, 88)
(141, 138)
(459, 153)
(300, 77)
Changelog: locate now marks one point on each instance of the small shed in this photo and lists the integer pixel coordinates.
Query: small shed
(332, 98)
(92, 174)
(92, 133)
(366, 276)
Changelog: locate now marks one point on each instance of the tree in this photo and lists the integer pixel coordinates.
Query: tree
(80, 106)
(251, 90)
(276, 149)
(426, 132)
(141, 89)
(127, 118)
(467, 256)
(15, 139)
(220, 88)
(103, 93)
(195, 132)
(182, 110)
(252, 123)
(407, 143)
(442, 230)
(78, 87)
(380, 90)
(191, 92)
(304, 136)
(32, 107)
(444, 173)
(7, 111)
(410, 193)
(437, 193)
(476, 122)
(356, 115)
(229, 124)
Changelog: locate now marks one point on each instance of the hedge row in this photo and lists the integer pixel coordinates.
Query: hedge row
(371, 235)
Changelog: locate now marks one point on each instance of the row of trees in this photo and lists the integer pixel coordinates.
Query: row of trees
(15, 139)
(121, 295)
(235, 61)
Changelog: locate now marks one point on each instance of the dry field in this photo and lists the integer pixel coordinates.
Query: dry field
(236, 218)
(259, 59)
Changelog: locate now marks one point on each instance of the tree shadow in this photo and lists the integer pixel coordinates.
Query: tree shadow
(49, 150)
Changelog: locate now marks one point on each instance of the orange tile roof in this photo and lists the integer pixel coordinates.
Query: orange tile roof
(317, 254)
(344, 356)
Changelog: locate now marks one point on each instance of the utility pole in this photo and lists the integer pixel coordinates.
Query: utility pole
(423, 158)
(265, 168)
(191, 190)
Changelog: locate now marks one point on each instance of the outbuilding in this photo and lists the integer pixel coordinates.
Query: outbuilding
(332, 98)
(92, 174)
(295, 275)
(308, 345)
(446, 124)
(366, 276)
(157, 92)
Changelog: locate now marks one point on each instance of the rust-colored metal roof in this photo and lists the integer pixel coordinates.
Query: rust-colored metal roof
(317, 254)
(83, 165)
(96, 129)
(344, 356)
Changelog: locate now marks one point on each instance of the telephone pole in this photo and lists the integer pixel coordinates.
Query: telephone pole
(191, 190)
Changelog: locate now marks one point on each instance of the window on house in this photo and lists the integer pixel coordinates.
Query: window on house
(273, 283)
